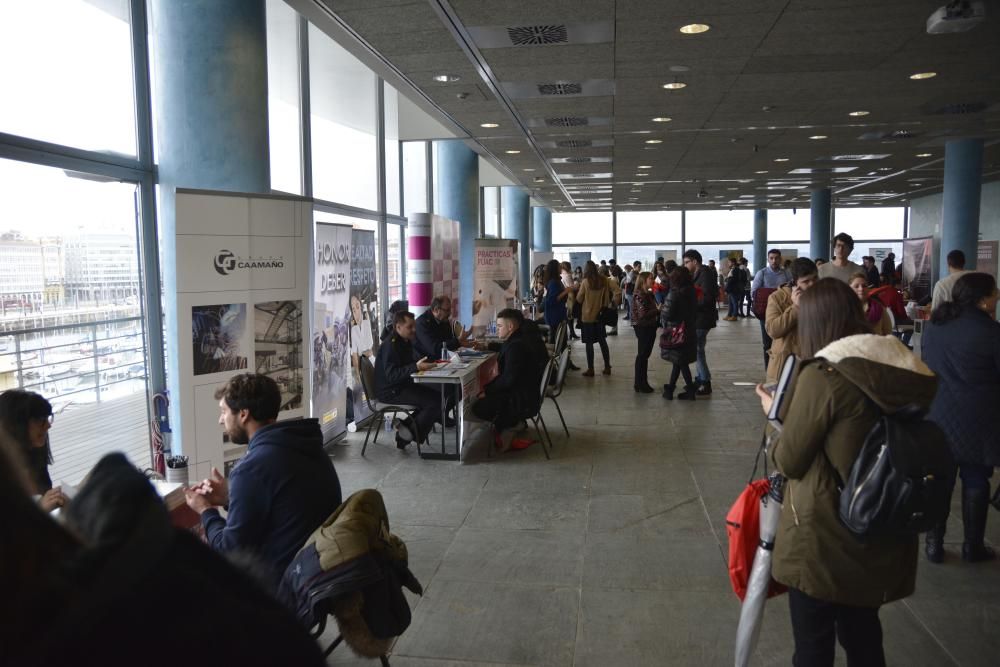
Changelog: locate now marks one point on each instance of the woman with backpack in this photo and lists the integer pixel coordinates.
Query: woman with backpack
(849, 378)
(680, 309)
(962, 345)
(594, 294)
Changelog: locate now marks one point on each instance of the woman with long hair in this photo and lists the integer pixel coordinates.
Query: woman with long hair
(594, 294)
(27, 418)
(661, 283)
(962, 346)
(645, 316)
(875, 312)
(681, 308)
(566, 275)
(847, 380)
(556, 295)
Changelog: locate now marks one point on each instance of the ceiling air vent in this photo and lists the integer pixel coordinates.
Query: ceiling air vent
(529, 35)
(566, 121)
(575, 143)
(560, 88)
(577, 160)
(956, 108)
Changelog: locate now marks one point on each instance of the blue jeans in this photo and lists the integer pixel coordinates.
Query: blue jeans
(701, 365)
(735, 303)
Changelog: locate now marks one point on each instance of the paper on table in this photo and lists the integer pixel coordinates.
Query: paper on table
(435, 373)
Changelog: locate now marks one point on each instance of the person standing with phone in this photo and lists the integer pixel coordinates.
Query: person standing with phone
(781, 320)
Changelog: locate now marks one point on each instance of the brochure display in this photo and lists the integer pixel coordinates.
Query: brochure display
(330, 344)
(242, 267)
(496, 281)
(432, 258)
(364, 314)
(918, 267)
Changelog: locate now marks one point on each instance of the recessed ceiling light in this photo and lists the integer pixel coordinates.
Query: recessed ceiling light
(446, 78)
(654, 141)
(662, 119)
(642, 174)
(512, 152)
(489, 125)
(643, 131)
(818, 136)
(920, 76)
(695, 28)
(675, 85)
(781, 159)
(859, 113)
(924, 154)
(529, 169)
(644, 166)
(762, 171)
(884, 169)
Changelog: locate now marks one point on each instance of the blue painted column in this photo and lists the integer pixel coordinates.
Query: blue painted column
(819, 224)
(457, 188)
(210, 94)
(541, 229)
(515, 212)
(759, 239)
(963, 174)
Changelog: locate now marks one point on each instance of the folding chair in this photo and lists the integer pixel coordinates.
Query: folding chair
(321, 627)
(378, 408)
(537, 419)
(553, 391)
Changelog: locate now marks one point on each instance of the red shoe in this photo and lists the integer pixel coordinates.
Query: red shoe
(521, 443)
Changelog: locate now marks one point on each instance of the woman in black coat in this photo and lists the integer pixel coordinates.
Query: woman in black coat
(962, 346)
(680, 307)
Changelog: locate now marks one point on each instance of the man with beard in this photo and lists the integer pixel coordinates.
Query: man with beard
(283, 488)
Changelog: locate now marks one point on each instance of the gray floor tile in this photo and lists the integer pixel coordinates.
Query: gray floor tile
(546, 558)
(530, 510)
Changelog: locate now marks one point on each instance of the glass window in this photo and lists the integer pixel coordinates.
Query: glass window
(70, 306)
(394, 263)
(718, 252)
(491, 212)
(391, 102)
(283, 97)
(869, 223)
(343, 113)
(702, 226)
(649, 227)
(66, 73)
(784, 225)
(415, 177)
(647, 254)
(593, 227)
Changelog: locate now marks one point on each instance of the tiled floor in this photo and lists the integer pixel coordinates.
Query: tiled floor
(613, 553)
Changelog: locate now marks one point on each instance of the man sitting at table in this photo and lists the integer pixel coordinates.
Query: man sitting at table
(280, 491)
(513, 395)
(434, 330)
(394, 366)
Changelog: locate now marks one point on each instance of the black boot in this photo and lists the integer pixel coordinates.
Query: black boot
(975, 504)
(705, 389)
(668, 391)
(689, 394)
(934, 543)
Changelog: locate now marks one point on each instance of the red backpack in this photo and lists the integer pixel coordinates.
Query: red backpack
(743, 529)
(760, 297)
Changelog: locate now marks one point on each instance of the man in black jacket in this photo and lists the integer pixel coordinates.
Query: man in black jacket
(706, 284)
(514, 394)
(395, 364)
(283, 488)
(434, 330)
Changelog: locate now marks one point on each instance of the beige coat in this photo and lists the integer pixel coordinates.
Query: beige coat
(781, 321)
(591, 301)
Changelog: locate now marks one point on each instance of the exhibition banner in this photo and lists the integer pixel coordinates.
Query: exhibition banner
(432, 260)
(364, 315)
(242, 279)
(986, 257)
(496, 281)
(879, 254)
(331, 327)
(918, 267)
(667, 254)
(579, 259)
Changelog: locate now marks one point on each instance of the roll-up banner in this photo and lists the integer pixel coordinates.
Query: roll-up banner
(496, 281)
(918, 267)
(242, 271)
(579, 259)
(364, 315)
(986, 257)
(330, 347)
(432, 258)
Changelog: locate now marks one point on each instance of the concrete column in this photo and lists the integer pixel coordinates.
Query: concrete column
(210, 95)
(457, 169)
(541, 229)
(759, 239)
(963, 174)
(515, 212)
(819, 224)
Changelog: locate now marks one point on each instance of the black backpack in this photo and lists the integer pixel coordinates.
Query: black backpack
(901, 481)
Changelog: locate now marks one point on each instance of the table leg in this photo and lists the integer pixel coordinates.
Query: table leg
(444, 418)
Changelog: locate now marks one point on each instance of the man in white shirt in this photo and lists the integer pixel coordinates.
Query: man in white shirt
(943, 288)
(841, 268)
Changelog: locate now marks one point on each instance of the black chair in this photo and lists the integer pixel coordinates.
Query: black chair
(378, 408)
(554, 390)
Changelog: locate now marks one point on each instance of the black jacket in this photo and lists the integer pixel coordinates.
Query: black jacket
(431, 334)
(395, 363)
(520, 372)
(279, 493)
(678, 307)
(708, 312)
(965, 355)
